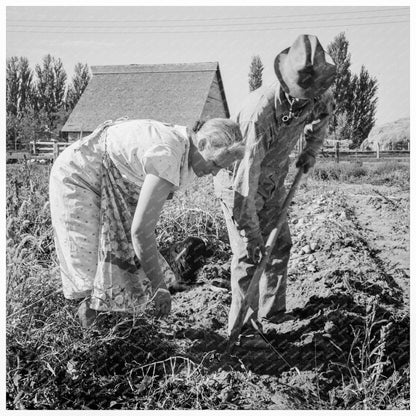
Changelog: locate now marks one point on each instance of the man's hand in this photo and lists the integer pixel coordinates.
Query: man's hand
(163, 302)
(306, 160)
(255, 248)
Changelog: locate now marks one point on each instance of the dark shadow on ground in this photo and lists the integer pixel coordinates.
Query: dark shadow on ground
(321, 334)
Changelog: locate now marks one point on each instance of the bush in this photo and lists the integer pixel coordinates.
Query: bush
(326, 172)
(378, 173)
(339, 171)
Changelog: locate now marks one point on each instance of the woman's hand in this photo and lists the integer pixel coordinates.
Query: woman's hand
(163, 303)
(152, 197)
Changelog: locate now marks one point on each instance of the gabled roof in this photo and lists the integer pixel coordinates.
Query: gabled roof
(172, 93)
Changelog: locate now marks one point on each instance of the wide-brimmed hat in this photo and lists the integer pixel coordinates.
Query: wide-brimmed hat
(305, 70)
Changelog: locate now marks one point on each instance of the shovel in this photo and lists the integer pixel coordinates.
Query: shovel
(253, 287)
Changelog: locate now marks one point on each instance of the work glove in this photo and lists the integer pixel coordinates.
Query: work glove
(306, 160)
(255, 248)
(162, 302)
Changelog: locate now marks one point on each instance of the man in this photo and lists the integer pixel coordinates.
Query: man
(271, 120)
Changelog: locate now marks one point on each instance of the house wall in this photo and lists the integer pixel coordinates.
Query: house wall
(214, 106)
(73, 136)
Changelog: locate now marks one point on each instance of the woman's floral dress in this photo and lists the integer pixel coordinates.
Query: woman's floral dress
(94, 188)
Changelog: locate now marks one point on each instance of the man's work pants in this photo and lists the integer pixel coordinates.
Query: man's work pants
(271, 299)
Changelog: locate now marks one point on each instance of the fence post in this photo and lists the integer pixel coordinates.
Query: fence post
(378, 150)
(55, 150)
(337, 151)
(34, 146)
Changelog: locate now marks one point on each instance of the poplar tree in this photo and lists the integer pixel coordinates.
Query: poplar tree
(354, 96)
(255, 76)
(12, 85)
(338, 50)
(50, 90)
(341, 88)
(18, 100)
(364, 105)
(80, 81)
(26, 85)
(18, 85)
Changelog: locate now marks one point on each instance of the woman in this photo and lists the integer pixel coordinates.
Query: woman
(107, 191)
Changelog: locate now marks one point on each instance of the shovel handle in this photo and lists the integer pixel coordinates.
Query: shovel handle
(271, 240)
(254, 283)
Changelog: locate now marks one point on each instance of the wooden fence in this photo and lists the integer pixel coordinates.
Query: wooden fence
(338, 151)
(39, 150)
(51, 150)
(342, 154)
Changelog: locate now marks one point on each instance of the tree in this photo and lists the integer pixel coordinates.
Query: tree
(80, 81)
(37, 109)
(18, 85)
(364, 105)
(338, 50)
(354, 96)
(341, 88)
(50, 89)
(12, 85)
(25, 86)
(12, 135)
(23, 128)
(19, 93)
(343, 127)
(256, 73)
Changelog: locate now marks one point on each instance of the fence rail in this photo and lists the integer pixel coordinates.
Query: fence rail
(38, 150)
(364, 155)
(51, 150)
(338, 151)
(47, 147)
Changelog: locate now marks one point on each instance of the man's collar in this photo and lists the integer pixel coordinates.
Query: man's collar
(279, 95)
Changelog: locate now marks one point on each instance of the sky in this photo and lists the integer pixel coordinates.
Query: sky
(378, 33)
(378, 36)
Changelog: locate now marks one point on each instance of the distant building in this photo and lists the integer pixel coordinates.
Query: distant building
(171, 93)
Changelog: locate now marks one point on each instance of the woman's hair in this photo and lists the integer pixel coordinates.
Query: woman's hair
(221, 136)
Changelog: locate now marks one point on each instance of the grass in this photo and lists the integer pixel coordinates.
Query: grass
(367, 387)
(128, 362)
(45, 344)
(392, 173)
(196, 213)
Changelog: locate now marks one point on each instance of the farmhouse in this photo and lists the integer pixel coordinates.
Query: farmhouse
(171, 93)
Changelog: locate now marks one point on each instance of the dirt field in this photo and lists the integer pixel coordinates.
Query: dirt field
(347, 348)
(349, 272)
